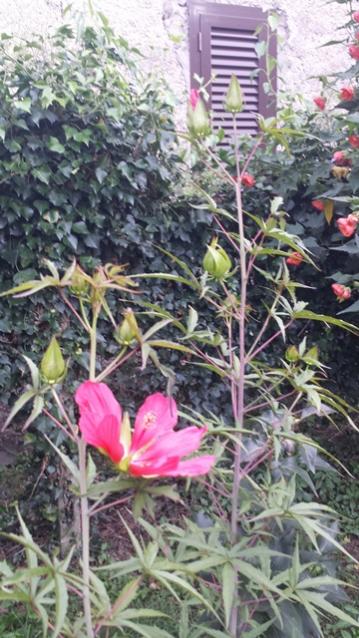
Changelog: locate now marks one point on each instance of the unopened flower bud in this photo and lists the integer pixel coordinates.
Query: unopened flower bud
(128, 331)
(53, 366)
(234, 97)
(216, 261)
(292, 354)
(79, 283)
(198, 119)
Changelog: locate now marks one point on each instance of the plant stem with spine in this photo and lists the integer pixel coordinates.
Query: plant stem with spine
(238, 404)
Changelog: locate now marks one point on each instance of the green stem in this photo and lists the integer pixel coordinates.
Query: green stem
(85, 516)
(85, 529)
(93, 346)
(238, 407)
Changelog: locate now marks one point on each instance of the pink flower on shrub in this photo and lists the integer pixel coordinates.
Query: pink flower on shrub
(318, 204)
(342, 293)
(294, 259)
(320, 102)
(340, 159)
(154, 448)
(354, 141)
(354, 51)
(355, 16)
(347, 225)
(193, 98)
(346, 93)
(247, 180)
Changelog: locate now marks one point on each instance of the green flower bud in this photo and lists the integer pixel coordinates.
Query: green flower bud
(216, 261)
(128, 331)
(234, 97)
(198, 120)
(79, 283)
(53, 366)
(292, 354)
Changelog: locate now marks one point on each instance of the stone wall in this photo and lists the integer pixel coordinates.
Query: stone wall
(159, 29)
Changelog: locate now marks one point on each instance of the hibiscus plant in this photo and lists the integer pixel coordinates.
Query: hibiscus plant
(261, 557)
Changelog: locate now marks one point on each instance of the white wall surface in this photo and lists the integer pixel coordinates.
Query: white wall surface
(150, 25)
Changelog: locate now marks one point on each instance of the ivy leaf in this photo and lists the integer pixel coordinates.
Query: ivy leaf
(23, 105)
(55, 145)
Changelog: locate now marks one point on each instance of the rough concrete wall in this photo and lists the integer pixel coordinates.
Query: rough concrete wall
(159, 29)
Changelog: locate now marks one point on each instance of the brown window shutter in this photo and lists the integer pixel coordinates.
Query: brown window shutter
(223, 41)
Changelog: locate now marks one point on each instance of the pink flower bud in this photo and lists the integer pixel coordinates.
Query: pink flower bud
(193, 98)
(354, 51)
(355, 16)
(340, 159)
(320, 102)
(247, 180)
(294, 259)
(342, 293)
(354, 141)
(346, 93)
(347, 225)
(318, 204)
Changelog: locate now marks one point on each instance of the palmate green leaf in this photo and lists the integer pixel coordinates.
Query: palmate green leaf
(147, 631)
(16, 596)
(168, 579)
(319, 601)
(24, 575)
(125, 598)
(98, 593)
(128, 614)
(28, 288)
(37, 408)
(31, 554)
(71, 466)
(61, 598)
(166, 277)
(313, 316)
(121, 568)
(256, 576)
(324, 532)
(259, 630)
(34, 371)
(354, 307)
(179, 262)
(229, 587)
(155, 328)
(111, 486)
(19, 404)
(171, 345)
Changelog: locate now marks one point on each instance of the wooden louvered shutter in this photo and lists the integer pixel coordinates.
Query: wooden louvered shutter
(223, 41)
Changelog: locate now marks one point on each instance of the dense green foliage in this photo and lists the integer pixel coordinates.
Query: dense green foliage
(88, 161)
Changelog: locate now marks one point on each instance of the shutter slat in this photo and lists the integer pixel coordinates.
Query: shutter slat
(232, 50)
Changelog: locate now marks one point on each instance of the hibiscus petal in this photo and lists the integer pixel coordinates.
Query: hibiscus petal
(158, 414)
(96, 401)
(100, 418)
(194, 467)
(153, 469)
(183, 442)
(104, 436)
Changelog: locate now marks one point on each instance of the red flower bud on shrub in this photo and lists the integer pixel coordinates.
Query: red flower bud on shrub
(320, 102)
(193, 98)
(346, 93)
(247, 180)
(294, 259)
(347, 225)
(318, 204)
(355, 16)
(354, 141)
(342, 293)
(354, 51)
